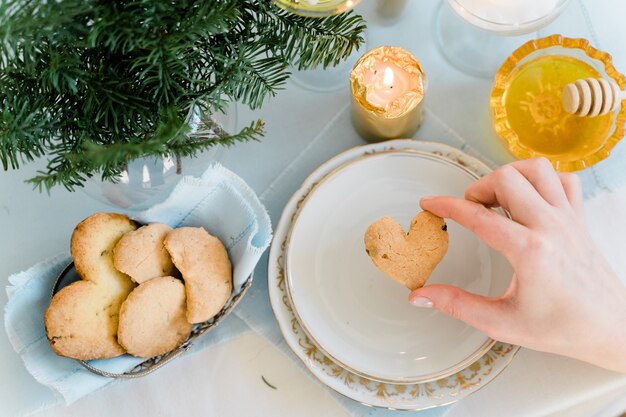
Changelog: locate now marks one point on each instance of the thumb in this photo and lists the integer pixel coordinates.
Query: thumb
(485, 314)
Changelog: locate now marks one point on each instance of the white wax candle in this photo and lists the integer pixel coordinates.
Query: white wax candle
(387, 82)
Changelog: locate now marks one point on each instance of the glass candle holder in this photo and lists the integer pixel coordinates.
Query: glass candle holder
(475, 36)
(316, 8)
(528, 113)
(388, 86)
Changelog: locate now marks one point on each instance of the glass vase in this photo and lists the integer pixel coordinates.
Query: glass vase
(147, 181)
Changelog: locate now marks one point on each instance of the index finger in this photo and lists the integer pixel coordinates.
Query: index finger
(509, 188)
(497, 231)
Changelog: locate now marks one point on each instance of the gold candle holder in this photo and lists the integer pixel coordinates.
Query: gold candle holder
(388, 86)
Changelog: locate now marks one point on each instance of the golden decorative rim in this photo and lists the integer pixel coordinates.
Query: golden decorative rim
(466, 378)
(409, 379)
(472, 377)
(499, 113)
(323, 8)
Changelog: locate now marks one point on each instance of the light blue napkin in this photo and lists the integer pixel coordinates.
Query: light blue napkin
(219, 200)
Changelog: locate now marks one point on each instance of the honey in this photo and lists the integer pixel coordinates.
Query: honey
(533, 109)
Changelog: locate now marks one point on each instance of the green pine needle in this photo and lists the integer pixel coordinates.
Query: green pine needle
(90, 85)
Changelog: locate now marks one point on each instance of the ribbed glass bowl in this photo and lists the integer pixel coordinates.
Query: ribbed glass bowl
(557, 45)
(316, 8)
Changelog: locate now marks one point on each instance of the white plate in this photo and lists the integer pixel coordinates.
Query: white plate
(396, 396)
(352, 311)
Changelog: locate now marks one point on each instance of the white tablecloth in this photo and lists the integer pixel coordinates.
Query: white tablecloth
(304, 128)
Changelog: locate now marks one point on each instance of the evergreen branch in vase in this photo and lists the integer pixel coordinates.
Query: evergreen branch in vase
(91, 85)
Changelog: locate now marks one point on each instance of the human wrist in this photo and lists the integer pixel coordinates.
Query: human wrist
(609, 349)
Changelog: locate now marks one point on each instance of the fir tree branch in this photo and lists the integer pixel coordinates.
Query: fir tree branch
(308, 42)
(110, 160)
(92, 84)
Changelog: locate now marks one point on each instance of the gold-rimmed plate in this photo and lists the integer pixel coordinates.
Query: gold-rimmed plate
(354, 313)
(347, 382)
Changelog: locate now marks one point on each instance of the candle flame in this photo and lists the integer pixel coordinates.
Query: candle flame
(388, 77)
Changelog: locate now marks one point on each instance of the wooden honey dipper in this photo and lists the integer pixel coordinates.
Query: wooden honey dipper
(592, 97)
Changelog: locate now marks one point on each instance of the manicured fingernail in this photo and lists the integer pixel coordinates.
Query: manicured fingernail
(422, 302)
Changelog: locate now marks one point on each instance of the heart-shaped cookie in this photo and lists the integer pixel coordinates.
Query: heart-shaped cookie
(408, 258)
(82, 319)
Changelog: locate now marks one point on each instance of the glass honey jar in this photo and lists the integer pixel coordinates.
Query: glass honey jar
(527, 110)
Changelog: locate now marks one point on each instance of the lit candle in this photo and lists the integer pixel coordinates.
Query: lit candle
(388, 86)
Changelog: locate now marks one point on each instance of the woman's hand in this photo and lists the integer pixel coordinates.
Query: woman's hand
(563, 297)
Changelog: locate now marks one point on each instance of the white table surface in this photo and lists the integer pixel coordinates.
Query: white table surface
(226, 380)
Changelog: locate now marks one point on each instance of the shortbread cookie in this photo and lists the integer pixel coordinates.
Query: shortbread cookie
(152, 319)
(408, 258)
(206, 269)
(141, 255)
(82, 319)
